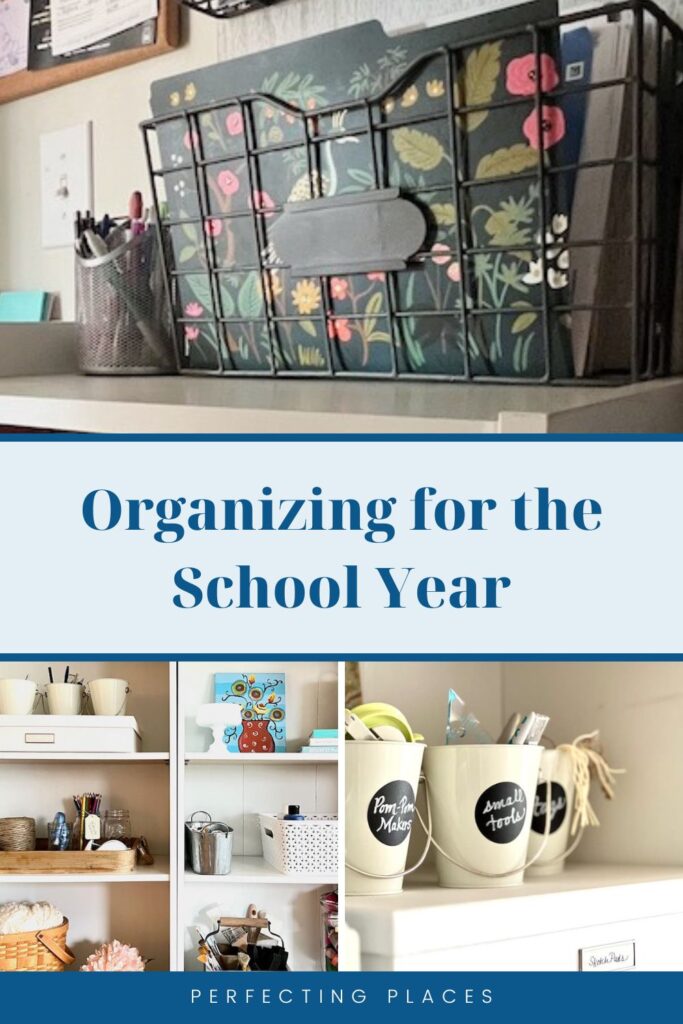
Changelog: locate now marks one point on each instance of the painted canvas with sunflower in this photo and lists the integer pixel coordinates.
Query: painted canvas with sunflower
(488, 291)
(260, 697)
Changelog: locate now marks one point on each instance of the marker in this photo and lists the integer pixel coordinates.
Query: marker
(136, 212)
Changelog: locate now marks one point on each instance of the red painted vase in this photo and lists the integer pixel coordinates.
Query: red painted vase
(255, 738)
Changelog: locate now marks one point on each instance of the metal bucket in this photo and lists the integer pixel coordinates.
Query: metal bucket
(208, 846)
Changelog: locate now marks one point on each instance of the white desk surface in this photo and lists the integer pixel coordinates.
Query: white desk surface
(246, 405)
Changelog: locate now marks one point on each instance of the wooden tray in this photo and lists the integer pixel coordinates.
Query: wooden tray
(69, 862)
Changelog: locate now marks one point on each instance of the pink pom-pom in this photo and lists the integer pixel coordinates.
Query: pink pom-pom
(114, 956)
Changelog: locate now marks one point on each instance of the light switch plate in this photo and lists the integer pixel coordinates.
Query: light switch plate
(65, 181)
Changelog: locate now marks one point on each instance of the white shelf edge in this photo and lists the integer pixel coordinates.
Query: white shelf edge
(256, 871)
(158, 872)
(289, 758)
(38, 756)
(472, 916)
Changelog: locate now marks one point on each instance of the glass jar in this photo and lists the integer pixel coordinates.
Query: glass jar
(116, 826)
(58, 835)
(329, 923)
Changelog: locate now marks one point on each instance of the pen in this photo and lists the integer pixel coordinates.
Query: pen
(135, 211)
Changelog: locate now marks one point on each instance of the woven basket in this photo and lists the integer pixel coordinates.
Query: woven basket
(17, 834)
(36, 951)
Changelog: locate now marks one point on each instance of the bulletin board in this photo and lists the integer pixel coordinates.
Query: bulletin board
(123, 50)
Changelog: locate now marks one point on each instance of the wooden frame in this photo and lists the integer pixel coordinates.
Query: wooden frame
(28, 83)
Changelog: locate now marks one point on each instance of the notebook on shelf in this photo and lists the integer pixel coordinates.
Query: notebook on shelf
(603, 208)
(25, 307)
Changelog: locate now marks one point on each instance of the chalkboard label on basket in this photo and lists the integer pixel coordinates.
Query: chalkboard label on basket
(500, 812)
(558, 807)
(391, 811)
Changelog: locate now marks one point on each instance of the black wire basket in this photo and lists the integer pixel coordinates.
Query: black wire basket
(227, 8)
(429, 255)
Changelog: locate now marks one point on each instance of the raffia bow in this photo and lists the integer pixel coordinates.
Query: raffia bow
(588, 763)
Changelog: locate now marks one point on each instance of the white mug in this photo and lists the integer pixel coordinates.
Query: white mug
(17, 696)
(109, 696)
(381, 791)
(558, 766)
(482, 799)
(64, 698)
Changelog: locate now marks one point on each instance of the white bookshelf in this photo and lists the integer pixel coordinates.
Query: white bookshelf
(136, 907)
(161, 785)
(160, 871)
(257, 871)
(52, 757)
(270, 759)
(235, 788)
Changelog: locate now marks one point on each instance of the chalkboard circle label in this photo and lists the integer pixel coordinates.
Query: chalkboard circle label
(501, 812)
(391, 811)
(558, 807)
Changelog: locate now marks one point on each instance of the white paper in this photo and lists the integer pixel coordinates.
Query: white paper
(14, 25)
(80, 23)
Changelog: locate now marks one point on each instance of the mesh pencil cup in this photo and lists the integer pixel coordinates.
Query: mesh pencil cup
(122, 311)
(381, 789)
(481, 800)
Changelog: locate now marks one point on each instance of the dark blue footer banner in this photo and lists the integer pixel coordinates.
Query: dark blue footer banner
(301, 997)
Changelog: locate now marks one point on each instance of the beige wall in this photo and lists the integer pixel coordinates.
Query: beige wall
(118, 101)
(115, 103)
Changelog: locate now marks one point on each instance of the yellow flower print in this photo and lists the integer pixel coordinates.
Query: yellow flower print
(435, 88)
(276, 134)
(274, 284)
(410, 97)
(306, 297)
(174, 99)
(190, 91)
(389, 105)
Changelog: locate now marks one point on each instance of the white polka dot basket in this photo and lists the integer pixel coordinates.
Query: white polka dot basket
(301, 847)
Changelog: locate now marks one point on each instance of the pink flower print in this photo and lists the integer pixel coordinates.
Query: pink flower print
(520, 76)
(191, 333)
(191, 140)
(311, 103)
(441, 253)
(377, 275)
(193, 309)
(234, 123)
(262, 203)
(453, 271)
(339, 329)
(228, 182)
(339, 288)
(553, 127)
(213, 227)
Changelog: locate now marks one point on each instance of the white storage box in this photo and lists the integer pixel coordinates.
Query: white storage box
(300, 847)
(69, 734)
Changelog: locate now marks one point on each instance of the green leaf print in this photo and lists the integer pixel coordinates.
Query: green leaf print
(250, 297)
(418, 149)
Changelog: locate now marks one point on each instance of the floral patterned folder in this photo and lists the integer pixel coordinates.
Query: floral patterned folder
(489, 299)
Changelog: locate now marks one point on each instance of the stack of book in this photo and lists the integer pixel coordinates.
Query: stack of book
(322, 741)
